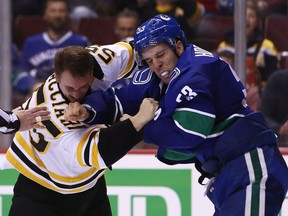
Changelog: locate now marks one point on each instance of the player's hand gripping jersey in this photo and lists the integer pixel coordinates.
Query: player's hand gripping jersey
(112, 62)
(64, 157)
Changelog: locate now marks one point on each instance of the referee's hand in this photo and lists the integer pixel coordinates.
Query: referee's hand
(32, 118)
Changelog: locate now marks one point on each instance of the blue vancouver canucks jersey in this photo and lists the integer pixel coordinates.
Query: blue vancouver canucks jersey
(204, 98)
(39, 50)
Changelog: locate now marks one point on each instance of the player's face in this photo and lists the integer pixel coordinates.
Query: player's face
(161, 59)
(57, 16)
(74, 88)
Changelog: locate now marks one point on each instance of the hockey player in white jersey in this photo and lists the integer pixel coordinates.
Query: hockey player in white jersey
(61, 167)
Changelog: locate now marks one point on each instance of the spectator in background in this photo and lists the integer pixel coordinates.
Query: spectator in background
(262, 56)
(83, 10)
(144, 8)
(106, 8)
(274, 104)
(39, 50)
(126, 24)
(186, 12)
(125, 27)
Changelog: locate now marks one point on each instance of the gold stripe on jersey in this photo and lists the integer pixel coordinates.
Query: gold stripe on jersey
(95, 152)
(128, 68)
(75, 179)
(80, 149)
(42, 181)
(21, 168)
(87, 151)
(28, 149)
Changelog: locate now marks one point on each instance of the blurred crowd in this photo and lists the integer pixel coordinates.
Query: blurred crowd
(57, 23)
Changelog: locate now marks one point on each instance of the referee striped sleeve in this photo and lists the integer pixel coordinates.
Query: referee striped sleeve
(9, 122)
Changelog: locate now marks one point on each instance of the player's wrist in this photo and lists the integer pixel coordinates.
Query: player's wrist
(90, 115)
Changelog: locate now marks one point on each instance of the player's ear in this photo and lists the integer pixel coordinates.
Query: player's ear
(179, 47)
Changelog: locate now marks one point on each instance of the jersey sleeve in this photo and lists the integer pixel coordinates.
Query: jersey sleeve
(110, 105)
(112, 62)
(103, 106)
(9, 122)
(102, 147)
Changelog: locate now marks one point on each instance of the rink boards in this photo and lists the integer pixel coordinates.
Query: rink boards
(140, 185)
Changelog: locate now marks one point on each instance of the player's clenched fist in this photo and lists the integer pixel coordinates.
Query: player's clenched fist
(145, 114)
(75, 112)
(148, 108)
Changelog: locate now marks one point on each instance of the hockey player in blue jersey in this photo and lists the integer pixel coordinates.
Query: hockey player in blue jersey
(202, 118)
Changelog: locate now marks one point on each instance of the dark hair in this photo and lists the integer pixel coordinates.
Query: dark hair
(253, 6)
(76, 59)
(52, 1)
(129, 13)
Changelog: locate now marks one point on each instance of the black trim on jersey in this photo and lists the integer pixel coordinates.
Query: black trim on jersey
(27, 105)
(87, 149)
(51, 128)
(97, 70)
(40, 95)
(37, 170)
(114, 142)
(132, 69)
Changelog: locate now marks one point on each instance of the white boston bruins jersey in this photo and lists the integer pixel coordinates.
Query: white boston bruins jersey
(113, 62)
(63, 157)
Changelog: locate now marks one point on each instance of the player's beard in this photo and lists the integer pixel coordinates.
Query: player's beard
(59, 25)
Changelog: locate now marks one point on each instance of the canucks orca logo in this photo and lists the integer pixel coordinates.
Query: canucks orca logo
(142, 77)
